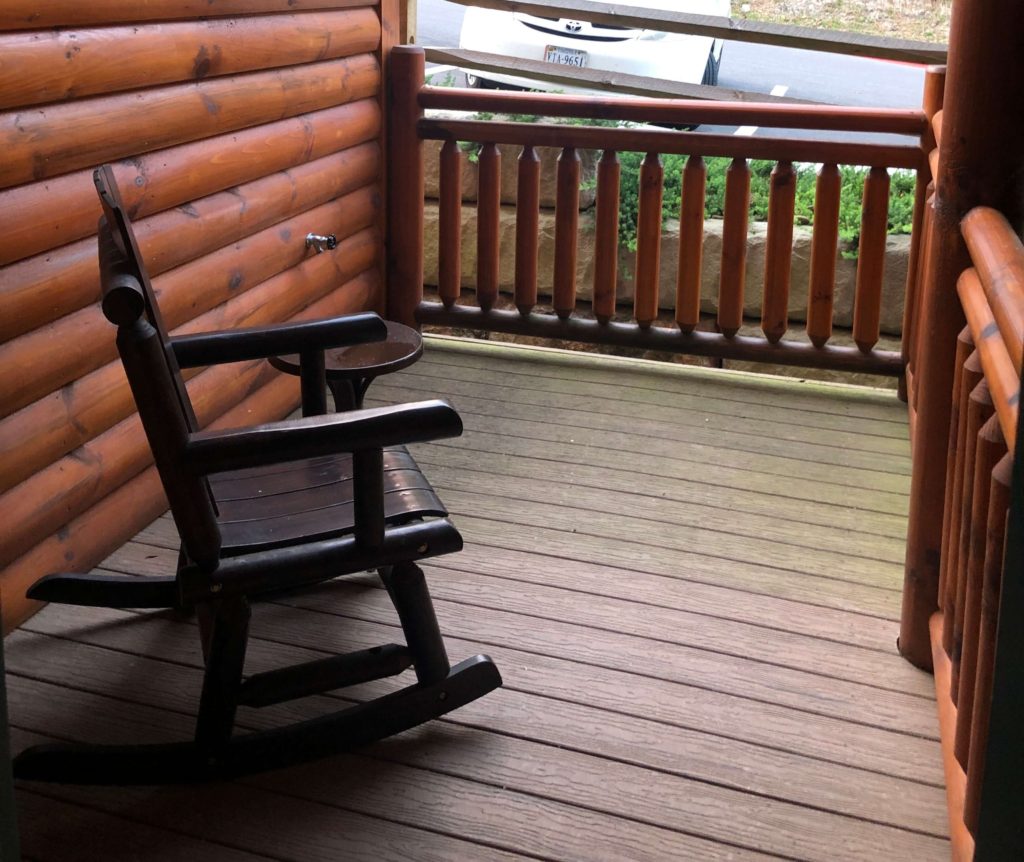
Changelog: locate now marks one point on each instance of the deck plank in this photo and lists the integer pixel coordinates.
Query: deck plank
(695, 625)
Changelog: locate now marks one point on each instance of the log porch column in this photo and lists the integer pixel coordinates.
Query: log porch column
(980, 162)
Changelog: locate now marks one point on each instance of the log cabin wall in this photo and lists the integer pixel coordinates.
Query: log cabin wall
(235, 127)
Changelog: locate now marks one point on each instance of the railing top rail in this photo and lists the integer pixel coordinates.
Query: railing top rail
(658, 141)
(737, 30)
(899, 121)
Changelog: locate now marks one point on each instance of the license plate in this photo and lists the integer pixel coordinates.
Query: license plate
(565, 56)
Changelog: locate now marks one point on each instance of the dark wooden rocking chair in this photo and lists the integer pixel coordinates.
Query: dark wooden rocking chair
(261, 510)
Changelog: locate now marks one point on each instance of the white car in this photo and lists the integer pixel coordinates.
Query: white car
(652, 53)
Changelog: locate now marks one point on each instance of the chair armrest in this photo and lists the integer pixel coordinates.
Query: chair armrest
(290, 440)
(259, 342)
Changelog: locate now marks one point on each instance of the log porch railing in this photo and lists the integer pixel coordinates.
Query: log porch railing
(410, 127)
(979, 595)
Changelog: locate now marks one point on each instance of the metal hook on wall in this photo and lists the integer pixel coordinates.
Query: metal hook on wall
(321, 243)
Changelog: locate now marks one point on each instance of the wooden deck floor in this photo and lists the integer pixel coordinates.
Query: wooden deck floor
(691, 586)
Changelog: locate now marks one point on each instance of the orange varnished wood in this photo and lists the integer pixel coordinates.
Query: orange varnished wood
(648, 240)
(992, 576)
(995, 359)
(567, 219)
(998, 256)
(167, 178)
(934, 81)
(824, 249)
(778, 252)
(979, 410)
(40, 14)
(961, 842)
(990, 449)
(31, 370)
(606, 236)
(44, 288)
(691, 244)
(488, 216)
(56, 139)
(734, 247)
(65, 64)
(964, 348)
(449, 226)
(970, 376)
(527, 229)
(871, 259)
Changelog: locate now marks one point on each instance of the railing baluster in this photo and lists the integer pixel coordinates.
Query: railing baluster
(488, 216)
(606, 236)
(648, 241)
(998, 506)
(778, 252)
(979, 409)
(970, 376)
(691, 244)
(567, 217)
(874, 224)
(734, 247)
(964, 348)
(527, 227)
(449, 252)
(991, 447)
(824, 248)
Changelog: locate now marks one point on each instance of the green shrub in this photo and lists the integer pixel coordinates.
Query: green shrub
(901, 198)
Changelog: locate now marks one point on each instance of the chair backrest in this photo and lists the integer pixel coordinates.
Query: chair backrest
(153, 374)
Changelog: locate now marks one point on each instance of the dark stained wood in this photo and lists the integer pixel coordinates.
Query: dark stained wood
(488, 224)
(648, 241)
(606, 236)
(449, 227)
(691, 244)
(734, 247)
(778, 252)
(567, 217)
(824, 250)
(527, 229)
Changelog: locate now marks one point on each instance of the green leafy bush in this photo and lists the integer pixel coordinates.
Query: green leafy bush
(901, 197)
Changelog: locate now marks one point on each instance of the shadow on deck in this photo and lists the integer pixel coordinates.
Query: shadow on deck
(690, 581)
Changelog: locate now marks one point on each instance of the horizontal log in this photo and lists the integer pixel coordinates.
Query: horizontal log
(597, 79)
(42, 216)
(998, 256)
(51, 497)
(54, 140)
(46, 359)
(34, 14)
(50, 286)
(682, 143)
(46, 430)
(1002, 379)
(84, 542)
(695, 343)
(733, 29)
(57, 65)
(897, 121)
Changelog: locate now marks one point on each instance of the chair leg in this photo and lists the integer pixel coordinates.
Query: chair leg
(223, 678)
(408, 589)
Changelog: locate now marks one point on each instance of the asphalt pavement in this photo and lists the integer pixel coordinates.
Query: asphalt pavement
(820, 77)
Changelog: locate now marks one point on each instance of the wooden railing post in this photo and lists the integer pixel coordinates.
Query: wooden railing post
(404, 242)
(979, 164)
